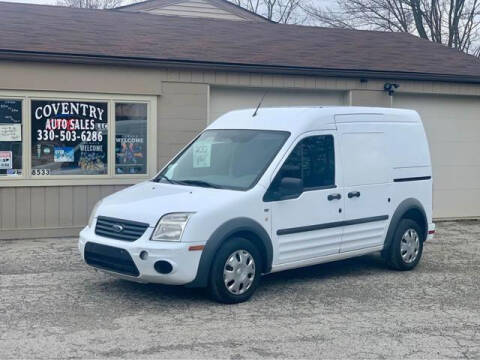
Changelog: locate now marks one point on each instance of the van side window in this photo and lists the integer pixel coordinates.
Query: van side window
(313, 161)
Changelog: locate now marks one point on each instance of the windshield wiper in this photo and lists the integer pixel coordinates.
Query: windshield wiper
(166, 178)
(198, 183)
(187, 182)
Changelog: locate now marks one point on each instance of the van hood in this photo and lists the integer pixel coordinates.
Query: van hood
(148, 201)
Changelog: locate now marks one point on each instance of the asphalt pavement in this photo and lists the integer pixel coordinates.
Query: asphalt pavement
(54, 306)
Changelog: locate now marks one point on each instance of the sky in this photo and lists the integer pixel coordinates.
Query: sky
(41, 2)
(50, 2)
(326, 3)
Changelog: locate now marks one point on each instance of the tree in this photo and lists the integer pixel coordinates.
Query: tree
(91, 4)
(281, 11)
(454, 23)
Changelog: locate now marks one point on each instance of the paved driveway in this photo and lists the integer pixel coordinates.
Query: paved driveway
(53, 306)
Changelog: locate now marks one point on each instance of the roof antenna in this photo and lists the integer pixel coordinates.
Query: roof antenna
(259, 104)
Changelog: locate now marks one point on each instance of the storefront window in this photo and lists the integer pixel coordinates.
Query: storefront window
(130, 138)
(69, 137)
(76, 138)
(10, 137)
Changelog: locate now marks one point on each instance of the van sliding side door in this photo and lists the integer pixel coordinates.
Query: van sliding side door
(367, 185)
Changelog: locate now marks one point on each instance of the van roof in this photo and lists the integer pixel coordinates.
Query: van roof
(303, 119)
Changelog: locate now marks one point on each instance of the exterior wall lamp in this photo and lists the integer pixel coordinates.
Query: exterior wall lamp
(390, 88)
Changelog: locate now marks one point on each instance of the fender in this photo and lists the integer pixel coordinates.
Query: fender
(222, 234)
(401, 210)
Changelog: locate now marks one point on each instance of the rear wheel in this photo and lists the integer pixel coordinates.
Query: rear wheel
(406, 249)
(235, 272)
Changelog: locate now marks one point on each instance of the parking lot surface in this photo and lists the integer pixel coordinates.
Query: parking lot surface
(54, 306)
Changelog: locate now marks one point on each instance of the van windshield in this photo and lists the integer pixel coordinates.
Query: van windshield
(230, 159)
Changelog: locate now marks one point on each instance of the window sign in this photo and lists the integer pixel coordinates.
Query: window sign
(130, 138)
(10, 137)
(5, 160)
(69, 137)
(10, 132)
(10, 111)
(202, 153)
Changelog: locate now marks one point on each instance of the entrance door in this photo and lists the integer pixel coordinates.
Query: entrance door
(309, 225)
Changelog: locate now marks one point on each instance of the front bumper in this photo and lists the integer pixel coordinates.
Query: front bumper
(184, 262)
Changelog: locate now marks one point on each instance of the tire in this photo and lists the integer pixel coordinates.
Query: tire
(233, 266)
(405, 252)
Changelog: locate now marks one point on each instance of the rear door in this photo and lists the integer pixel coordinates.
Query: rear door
(367, 181)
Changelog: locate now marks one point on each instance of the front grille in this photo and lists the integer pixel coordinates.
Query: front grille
(110, 258)
(119, 229)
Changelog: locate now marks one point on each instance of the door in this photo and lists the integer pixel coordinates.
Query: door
(309, 224)
(452, 124)
(367, 183)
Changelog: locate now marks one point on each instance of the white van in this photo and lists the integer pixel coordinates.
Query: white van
(286, 188)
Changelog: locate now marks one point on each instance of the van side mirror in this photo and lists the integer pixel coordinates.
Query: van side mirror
(287, 188)
(290, 188)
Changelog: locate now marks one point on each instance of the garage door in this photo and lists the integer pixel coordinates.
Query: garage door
(453, 129)
(224, 99)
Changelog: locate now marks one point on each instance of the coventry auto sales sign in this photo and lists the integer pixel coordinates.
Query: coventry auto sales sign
(69, 137)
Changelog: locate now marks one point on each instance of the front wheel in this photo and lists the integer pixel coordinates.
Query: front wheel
(235, 272)
(407, 246)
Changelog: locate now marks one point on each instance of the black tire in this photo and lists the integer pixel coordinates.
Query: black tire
(393, 256)
(217, 287)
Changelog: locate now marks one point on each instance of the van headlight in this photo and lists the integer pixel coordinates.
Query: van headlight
(92, 214)
(170, 227)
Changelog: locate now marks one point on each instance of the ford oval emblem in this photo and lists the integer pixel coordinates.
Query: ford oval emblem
(117, 228)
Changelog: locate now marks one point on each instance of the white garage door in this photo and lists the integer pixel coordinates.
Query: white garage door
(224, 99)
(453, 129)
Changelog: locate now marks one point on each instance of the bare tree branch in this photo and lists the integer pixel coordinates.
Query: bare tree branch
(281, 11)
(91, 4)
(454, 23)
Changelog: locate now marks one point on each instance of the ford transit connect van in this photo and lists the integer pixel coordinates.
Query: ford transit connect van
(282, 189)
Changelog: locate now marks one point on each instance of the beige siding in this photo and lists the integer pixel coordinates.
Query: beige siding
(148, 81)
(182, 114)
(8, 214)
(48, 209)
(224, 99)
(51, 206)
(452, 124)
(194, 8)
(79, 78)
(369, 98)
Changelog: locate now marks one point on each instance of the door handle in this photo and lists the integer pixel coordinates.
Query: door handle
(353, 194)
(334, 197)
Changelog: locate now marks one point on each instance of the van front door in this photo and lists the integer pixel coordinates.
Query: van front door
(307, 225)
(367, 185)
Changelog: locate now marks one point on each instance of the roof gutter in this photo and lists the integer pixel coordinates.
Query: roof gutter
(235, 67)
